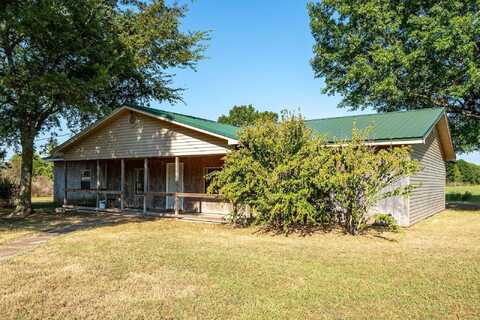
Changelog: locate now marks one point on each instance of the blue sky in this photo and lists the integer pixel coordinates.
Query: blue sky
(258, 54)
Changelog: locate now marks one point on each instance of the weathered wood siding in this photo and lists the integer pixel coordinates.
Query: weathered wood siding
(74, 169)
(429, 197)
(147, 137)
(110, 179)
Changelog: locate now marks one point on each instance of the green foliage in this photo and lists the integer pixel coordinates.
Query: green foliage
(463, 172)
(396, 55)
(7, 189)
(40, 168)
(386, 221)
(74, 61)
(291, 179)
(246, 115)
(272, 172)
(360, 174)
(457, 196)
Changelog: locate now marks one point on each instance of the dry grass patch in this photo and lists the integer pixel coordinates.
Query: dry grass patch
(168, 269)
(43, 219)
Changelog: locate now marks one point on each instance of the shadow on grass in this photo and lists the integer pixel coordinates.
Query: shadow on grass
(466, 206)
(44, 219)
(371, 231)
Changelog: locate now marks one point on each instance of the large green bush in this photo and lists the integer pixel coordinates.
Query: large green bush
(273, 173)
(292, 180)
(360, 175)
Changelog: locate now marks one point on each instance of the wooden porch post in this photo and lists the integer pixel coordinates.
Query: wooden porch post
(105, 179)
(145, 184)
(177, 185)
(122, 185)
(65, 181)
(98, 183)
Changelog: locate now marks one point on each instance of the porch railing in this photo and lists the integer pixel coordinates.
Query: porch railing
(121, 196)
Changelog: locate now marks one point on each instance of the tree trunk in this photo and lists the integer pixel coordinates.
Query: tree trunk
(24, 201)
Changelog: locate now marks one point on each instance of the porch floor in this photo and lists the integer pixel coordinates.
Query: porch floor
(193, 217)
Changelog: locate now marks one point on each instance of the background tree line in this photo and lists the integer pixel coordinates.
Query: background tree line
(463, 172)
(42, 178)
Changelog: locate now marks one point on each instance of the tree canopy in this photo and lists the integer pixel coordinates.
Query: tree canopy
(399, 55)
(41, 167)
(74, 61)
(245, 115)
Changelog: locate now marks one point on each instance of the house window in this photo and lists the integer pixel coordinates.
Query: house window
(139, 180)
(207, 178)
(85, 179)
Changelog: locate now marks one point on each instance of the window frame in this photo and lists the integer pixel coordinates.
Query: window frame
(85, 179)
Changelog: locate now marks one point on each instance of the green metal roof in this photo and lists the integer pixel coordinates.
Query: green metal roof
(388, 126)
(224, 130)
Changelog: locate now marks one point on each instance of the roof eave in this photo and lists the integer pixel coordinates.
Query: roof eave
(384, 143)
(446, 138)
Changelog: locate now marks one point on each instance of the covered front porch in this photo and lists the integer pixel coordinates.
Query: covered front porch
(169, 186)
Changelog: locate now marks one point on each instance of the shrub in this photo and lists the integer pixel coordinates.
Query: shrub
(273, 172)
(386, 221)
(467, 196)
(359, 177)
(458, 196)
(291, 179)
(7, 190)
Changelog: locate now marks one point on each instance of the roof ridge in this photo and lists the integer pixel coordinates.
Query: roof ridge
(376, 114)
(184, 115)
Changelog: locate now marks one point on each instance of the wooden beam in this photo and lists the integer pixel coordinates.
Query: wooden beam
(177, 185)
(105, 179)
(122, 186)
(98, 183)
(65, 181)
(145, 184)
(94, 191)
(186, 195)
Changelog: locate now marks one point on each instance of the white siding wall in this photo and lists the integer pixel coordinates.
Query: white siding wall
(429, 197)
(396, 206)
(149, 137)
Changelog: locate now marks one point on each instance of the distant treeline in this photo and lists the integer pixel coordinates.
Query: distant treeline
(463, 172)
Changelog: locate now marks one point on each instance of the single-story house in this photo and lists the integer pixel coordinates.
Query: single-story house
(147, 160)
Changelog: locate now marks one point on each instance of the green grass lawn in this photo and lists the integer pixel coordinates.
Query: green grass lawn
(473, 189)
(179, 270)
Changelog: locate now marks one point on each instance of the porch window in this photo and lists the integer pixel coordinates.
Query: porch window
(85, 179)
(207, 172)
(139, 180)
